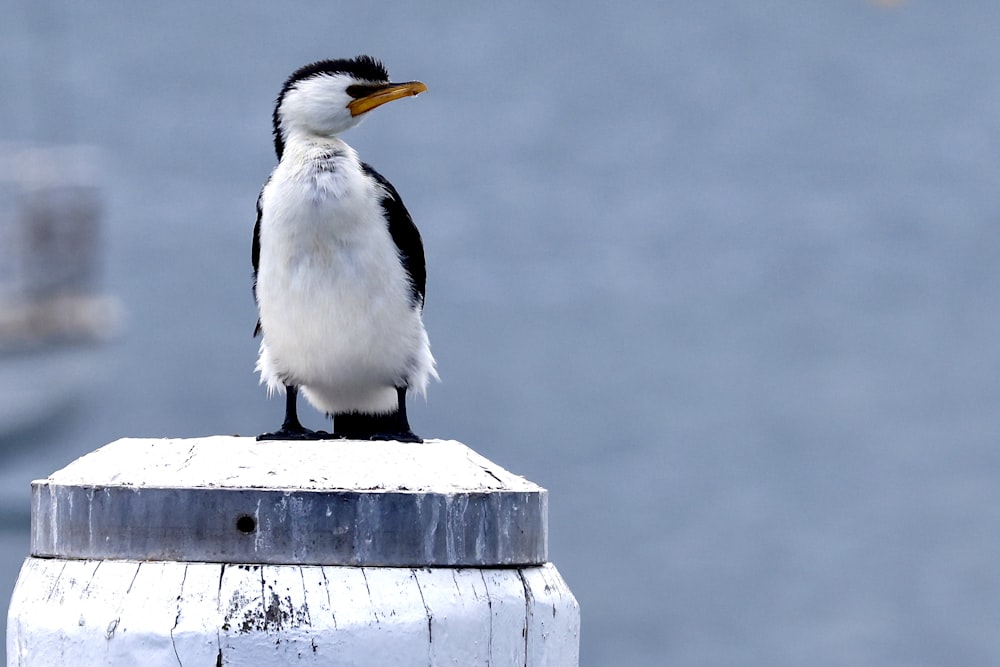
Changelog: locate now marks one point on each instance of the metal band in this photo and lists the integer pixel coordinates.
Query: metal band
(436, 504)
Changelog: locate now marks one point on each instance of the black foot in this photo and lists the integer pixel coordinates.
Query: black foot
(408, 436)
(292, 429)
(291, 434)
(324, 435)
(302, 434)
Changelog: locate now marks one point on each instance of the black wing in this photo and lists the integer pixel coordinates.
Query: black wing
(405, 235)
(255, 258)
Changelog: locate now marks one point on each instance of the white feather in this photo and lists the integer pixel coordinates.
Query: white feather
(317, 107)
(334, 298)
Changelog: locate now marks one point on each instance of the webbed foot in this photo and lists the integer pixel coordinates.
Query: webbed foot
(408, 436)
(290, 433)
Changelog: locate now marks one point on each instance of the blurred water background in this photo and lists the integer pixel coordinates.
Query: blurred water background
(721, 275)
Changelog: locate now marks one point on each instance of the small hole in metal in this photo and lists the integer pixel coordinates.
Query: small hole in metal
(246, 524)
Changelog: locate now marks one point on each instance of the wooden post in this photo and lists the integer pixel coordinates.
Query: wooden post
(229, 551)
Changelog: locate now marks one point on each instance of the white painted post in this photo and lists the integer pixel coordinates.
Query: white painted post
(229, 551)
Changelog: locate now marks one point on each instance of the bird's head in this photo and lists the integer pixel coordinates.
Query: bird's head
(331, 96)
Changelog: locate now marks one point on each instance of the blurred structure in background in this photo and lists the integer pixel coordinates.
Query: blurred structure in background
(51, 310)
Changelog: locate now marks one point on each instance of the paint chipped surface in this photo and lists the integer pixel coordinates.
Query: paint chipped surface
(85, 613)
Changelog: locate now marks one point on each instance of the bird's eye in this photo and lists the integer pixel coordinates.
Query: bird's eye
(359, 90)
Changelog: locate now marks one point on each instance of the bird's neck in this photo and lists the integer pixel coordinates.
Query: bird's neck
(310, 147)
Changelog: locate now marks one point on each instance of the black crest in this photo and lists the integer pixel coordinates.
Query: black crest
(362, 68)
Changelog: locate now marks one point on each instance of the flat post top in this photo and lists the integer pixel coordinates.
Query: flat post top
(338, 502)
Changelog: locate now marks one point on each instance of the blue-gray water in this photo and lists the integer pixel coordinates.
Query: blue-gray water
(721, 275)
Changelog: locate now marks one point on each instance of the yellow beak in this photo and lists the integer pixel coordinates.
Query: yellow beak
(392, 91)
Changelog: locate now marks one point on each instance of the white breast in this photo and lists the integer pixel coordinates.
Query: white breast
(334, 299)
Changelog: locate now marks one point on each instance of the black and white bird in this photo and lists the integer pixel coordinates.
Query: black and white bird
(338, 264)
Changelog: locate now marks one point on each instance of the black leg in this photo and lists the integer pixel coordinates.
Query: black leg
(402, 423)
(291, 428)
(390, 426)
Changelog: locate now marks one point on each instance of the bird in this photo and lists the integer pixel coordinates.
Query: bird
(339, 274)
